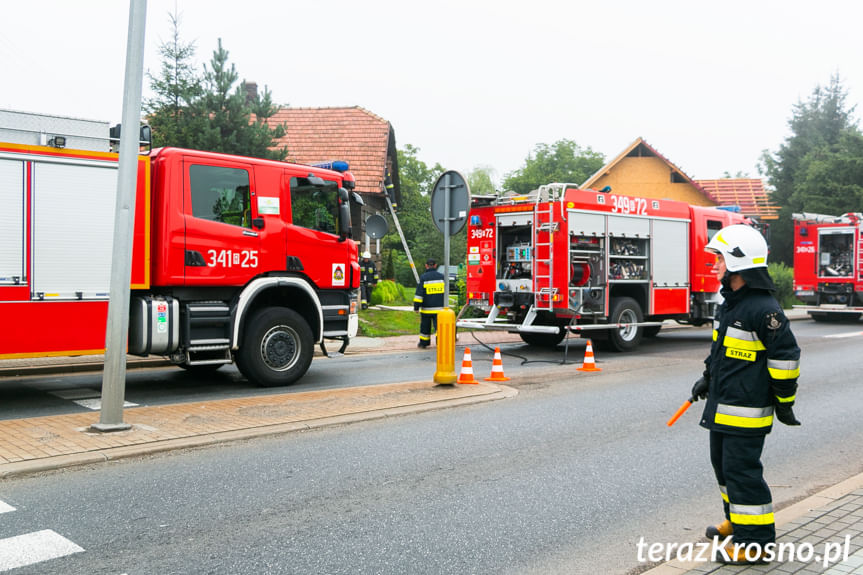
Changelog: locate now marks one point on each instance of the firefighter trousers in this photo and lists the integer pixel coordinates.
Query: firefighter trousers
(746, 497)
(428, 325)
(365, 294)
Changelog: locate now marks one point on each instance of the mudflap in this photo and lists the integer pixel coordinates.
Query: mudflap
(345, 341)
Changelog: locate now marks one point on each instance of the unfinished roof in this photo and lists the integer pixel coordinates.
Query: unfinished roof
(747, 193)
(353, 134)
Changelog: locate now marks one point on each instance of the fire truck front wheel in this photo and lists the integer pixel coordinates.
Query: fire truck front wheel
(625, 310)
(277, 347)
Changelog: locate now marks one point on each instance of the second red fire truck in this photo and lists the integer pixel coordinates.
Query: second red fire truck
(605, 265)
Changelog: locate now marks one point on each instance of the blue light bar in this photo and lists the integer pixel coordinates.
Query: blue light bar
(336, 165)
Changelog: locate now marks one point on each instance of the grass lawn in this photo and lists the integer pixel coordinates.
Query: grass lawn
(385, 322)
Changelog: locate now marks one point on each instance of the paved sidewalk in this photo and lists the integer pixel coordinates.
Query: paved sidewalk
(833, 517)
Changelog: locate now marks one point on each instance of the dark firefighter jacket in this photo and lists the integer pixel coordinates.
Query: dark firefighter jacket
(369, 272)
(430, 292)
(753, 365)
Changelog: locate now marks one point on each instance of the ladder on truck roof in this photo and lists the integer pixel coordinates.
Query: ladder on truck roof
(544, 227)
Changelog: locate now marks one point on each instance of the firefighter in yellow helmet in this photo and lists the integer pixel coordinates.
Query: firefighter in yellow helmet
(750, 376)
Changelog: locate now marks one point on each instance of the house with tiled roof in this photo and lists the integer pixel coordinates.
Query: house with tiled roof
(748, 193)
(639, 170)
(353, 134)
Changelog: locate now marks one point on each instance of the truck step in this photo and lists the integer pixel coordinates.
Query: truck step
(208, 355)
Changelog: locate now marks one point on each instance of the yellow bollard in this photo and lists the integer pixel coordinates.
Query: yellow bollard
(445, 347)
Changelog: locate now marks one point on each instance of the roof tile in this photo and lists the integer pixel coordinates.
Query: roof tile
(352, 134)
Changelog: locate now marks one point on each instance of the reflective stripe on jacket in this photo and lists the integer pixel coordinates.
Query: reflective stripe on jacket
(753, 365)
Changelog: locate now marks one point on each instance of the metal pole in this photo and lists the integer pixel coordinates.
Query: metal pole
(114, 376)
(402, 236)
(447, 186)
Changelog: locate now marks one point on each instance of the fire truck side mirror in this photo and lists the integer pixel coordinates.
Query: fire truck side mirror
(357, 199)
(344, 215)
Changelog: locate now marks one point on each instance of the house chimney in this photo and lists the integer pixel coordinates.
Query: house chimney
(251, 91)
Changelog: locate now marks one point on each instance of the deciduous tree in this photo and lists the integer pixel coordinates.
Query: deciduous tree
(819, 167)
(564, 161)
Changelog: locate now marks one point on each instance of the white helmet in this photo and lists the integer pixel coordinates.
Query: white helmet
(366, 254)
(742, 247)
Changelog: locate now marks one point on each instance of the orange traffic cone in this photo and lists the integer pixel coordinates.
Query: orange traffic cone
(589, 363)
(497, 368)
(466, 375)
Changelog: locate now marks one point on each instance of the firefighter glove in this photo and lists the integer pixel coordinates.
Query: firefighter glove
(699, 390)
(785, 414)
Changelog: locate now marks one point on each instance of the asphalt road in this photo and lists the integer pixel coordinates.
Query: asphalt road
(564, 478)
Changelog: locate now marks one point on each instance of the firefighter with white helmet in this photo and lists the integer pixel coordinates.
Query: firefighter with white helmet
(751, 373)
(368, 278)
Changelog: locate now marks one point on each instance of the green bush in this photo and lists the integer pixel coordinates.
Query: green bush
(386, 292)
(783, 277)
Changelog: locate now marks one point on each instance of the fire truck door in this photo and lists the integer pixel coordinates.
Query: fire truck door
(223, 242)
(313, 244)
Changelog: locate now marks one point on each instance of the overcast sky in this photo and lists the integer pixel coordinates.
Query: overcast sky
(474, 82)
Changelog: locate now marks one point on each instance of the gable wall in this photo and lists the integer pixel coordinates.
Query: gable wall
(649, 177)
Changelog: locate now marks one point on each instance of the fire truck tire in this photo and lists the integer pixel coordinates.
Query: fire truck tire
(543, 339)
(277, 347)
(625, 310)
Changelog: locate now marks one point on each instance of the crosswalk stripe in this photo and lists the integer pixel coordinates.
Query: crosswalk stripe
(34, 548)
(5, 507)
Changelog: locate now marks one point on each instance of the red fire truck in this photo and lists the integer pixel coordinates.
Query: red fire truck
(609, 266)
(234, 258)
(828, 265)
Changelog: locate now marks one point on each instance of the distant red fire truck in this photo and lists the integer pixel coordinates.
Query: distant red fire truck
(828, 265)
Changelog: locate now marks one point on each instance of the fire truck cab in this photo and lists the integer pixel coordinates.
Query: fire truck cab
(607, 266)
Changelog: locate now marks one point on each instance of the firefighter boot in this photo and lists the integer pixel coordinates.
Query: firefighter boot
(722, 530)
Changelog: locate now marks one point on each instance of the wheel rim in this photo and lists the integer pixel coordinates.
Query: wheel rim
(628, 333)
(280, 348)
